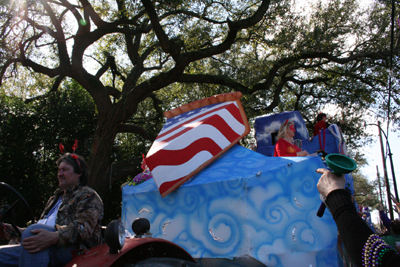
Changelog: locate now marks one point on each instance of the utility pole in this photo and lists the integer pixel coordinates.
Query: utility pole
(379, 185)
(385, 174)
(380, 197)
(393, 175)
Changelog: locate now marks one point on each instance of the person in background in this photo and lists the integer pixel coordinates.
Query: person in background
(396, 203)
(284, 147)
(392, 237)
(364, 247)
(71, 220)
(320, 123)
(384, 218)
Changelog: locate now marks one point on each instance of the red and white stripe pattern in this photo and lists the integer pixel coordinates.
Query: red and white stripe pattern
(190, 141)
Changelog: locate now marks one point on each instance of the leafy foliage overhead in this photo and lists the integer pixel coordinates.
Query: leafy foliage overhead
(137, 59)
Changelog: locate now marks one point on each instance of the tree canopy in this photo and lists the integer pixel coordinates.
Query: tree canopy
(137, 59)
(28, 140)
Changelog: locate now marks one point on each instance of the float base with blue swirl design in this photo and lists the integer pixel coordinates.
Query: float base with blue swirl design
(244, 209)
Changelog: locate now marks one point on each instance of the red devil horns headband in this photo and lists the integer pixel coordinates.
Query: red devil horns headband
(61, 148)
(73, 155)
(75, 146)
(286, 121)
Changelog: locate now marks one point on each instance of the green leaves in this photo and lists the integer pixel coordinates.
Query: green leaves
(30, 134)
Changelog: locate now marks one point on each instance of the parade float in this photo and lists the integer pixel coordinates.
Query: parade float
(227, 205)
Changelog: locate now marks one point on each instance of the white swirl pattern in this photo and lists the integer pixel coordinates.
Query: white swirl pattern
(228, 211)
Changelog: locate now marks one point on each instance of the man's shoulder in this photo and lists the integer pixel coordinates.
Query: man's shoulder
(85, 191)
(88, 189)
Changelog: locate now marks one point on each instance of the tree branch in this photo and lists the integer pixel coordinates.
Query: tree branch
(5, 67)
(234, 28)
(212, 79)
(128, 128)
(166, 44)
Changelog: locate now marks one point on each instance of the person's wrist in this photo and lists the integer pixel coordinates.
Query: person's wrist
(338, 198)
(331, 189)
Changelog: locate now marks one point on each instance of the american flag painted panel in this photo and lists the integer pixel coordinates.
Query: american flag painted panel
(192, 139)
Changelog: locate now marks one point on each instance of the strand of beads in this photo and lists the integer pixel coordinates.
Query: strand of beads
(373, 251)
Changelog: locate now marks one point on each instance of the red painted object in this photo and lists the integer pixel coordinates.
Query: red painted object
(134, 250)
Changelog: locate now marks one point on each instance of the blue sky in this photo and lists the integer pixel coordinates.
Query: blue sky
(374, 157)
